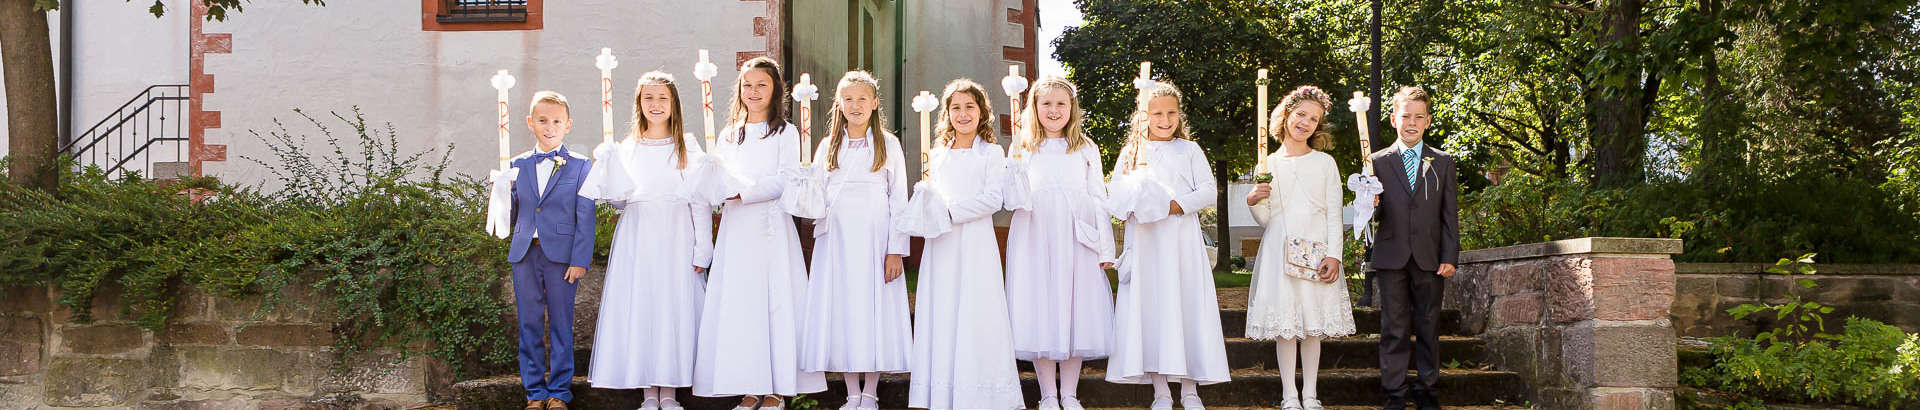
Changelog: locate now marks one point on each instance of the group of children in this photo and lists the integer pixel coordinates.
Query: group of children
(743, 313)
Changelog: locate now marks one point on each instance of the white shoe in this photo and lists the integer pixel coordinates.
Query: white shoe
(1191, 401)
(778, 404)
(650, 404)
(1049, 403)
(869, 402)
(853, 403)
(1070, 403)
(1312, 404)
(1162, 403)
(1290, 403)
(670, 404)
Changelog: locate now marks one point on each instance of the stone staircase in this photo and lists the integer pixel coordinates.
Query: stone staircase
(1349, 376)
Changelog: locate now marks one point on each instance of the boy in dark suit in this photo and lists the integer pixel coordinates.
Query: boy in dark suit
(1417, 244)
(552, 247)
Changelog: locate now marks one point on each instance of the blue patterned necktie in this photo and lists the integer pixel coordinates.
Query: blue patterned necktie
(1409, 158)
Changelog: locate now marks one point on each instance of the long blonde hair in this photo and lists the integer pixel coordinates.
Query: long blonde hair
(837, 122)
(1075, 131)
(944, 129)
(675, 126)
(1321, 138)
(1143, 123)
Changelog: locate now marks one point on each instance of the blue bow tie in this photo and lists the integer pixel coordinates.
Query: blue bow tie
(544, 156)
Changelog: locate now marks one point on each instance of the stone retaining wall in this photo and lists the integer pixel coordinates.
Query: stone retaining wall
(217, 353)
(1584, 320)
(1887, 293)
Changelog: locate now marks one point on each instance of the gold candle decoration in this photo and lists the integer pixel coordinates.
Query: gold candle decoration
(925, 103)
(1260, 117)
(1360, 104)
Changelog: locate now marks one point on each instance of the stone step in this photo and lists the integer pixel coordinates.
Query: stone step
(1233, 322)
(1353, 352)
(1258, 388)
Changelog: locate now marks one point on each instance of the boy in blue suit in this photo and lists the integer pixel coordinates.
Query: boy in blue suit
(552, 246)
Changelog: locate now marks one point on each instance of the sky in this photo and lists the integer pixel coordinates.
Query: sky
(1055, 17)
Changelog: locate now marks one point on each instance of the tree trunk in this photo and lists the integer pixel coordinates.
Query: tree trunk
(1224, 230)
(32, 122)
(1619, 118)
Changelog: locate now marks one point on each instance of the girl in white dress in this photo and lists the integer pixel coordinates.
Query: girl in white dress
(1059, 245)
(757, 291)
(1301, 205)
(857, 323)
(650, 306)
(1167, 324)
(962, 341)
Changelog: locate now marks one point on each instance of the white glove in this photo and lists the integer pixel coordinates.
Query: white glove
(500, 202)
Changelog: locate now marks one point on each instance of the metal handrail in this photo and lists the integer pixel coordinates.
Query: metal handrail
(139, 120)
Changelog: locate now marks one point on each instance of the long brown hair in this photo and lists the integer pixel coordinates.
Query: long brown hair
(776, 104)
(1321, 138)
(675, 126)
(1075, 132)
(944, 129)
(1137, 134)
(837, 122)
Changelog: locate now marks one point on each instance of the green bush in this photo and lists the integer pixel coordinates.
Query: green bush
(1872, 364)
(1732, 220)
(392, 246)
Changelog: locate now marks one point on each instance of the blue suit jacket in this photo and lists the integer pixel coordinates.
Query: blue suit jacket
(564, 219)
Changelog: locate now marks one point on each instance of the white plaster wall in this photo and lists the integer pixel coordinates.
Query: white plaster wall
(433, 86)
(120, 49)
(955, 39)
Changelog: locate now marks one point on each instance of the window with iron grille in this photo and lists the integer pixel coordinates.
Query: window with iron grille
(482, 11)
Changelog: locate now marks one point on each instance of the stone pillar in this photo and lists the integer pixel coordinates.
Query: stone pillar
(1584, 320)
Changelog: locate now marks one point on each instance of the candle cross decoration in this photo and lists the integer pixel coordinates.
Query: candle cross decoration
(924, 104)
(503, 82)
(804, 92)
(705, 70)
(605, 62)
(1260, 118)
(1359, 105)
(1013, 84)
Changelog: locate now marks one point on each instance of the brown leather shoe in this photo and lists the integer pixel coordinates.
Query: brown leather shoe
(556, 404)
(536, 405)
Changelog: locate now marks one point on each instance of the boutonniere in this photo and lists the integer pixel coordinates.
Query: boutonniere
(562, 161)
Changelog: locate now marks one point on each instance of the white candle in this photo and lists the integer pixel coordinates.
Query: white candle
(1360, 104)
(1013, 84)
(924, 104)
(705, 70)
(1260, 117)
(1146, 70)
(605, 62)
(501, 83)
(804, 93)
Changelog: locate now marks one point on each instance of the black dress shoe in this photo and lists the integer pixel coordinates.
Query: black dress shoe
(1395, 403)
(1425, 400)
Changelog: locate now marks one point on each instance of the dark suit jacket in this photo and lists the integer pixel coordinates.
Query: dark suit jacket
(1421, 223)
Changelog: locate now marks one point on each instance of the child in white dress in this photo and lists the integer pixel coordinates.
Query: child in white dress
(750, 321)
(1167, 323)
(857, 323)
(1059, 245)
(650, 305)
(1298, 296)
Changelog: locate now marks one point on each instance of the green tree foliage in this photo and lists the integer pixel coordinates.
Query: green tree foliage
(1769, 127)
